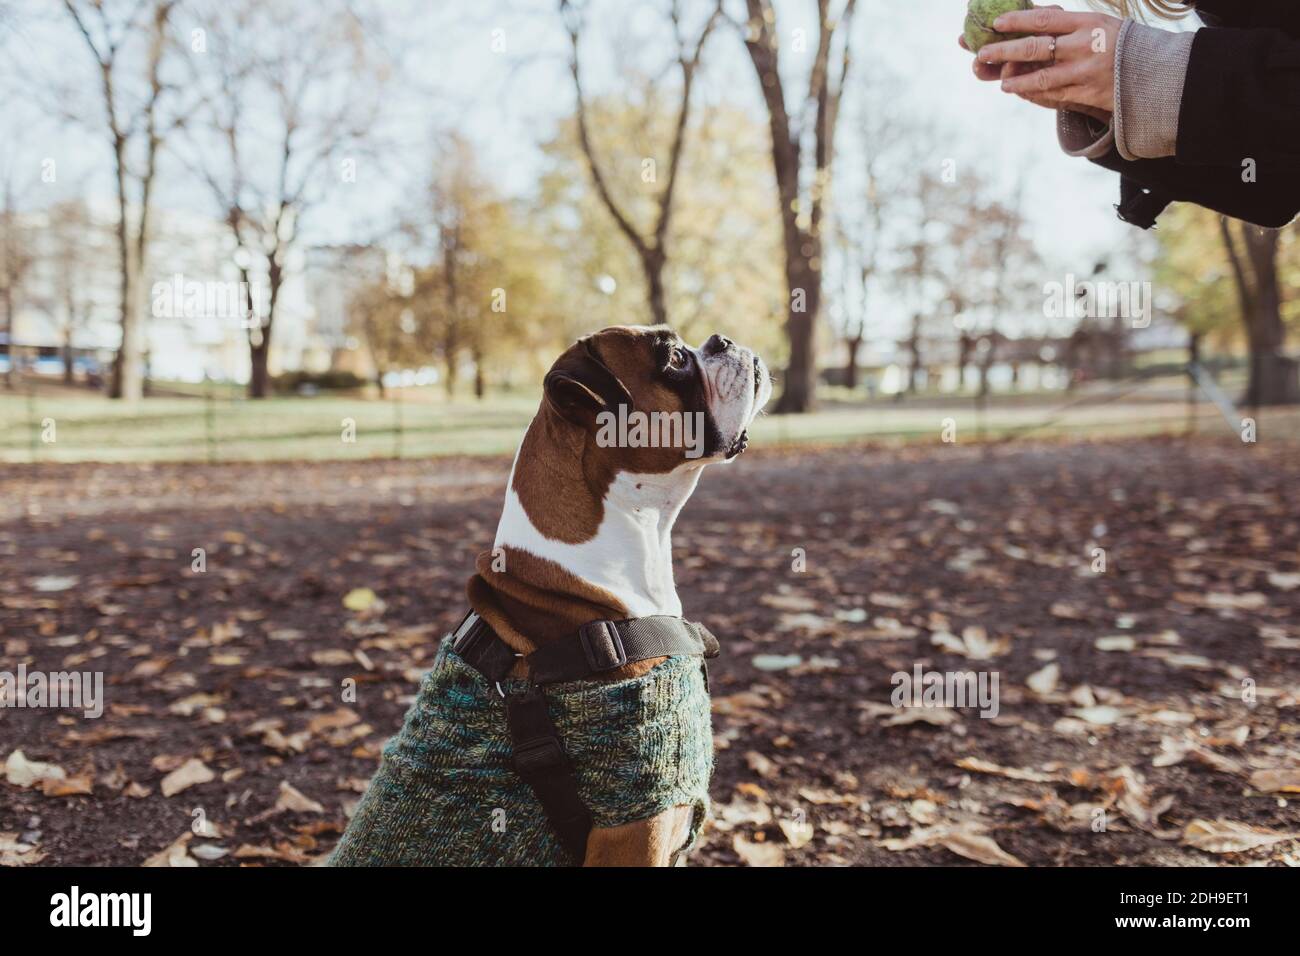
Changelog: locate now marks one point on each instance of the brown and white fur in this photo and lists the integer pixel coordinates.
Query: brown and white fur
(586, 531)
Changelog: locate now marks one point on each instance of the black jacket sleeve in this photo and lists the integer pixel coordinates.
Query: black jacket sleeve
(1148, 185)
(1241, 99)
(1238, 149)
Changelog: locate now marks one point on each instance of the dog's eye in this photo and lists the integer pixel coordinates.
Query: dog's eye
(678, 359)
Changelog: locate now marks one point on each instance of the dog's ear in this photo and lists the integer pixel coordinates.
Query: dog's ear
(580, 386)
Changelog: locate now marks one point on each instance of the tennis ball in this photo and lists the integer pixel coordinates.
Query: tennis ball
(979, 21)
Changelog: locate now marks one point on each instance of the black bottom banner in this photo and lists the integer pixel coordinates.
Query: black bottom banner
(214, 907)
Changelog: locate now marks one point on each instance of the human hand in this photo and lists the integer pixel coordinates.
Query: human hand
(1069, 62)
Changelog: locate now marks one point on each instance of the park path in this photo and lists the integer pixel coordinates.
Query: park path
(1121, 737)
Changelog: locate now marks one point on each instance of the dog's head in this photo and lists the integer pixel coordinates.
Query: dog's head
(647, 402)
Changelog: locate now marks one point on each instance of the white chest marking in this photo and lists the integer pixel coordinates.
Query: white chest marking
(631, 554)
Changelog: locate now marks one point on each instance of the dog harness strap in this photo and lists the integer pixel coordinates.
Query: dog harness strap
(540, 760)
(601, 646)
(597, 647)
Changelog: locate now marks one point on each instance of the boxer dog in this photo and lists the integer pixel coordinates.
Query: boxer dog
(586, 532)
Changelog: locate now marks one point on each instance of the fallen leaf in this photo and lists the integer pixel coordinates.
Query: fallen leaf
(14, 852)
(828, 797)
(758, 854)
(761, 765)
(981, 849)
(1276, 781)
(188, 774)
(25, 773)
(964, 839)
(292, 800)
(175, 854)
(332, 657)
(739, 812)
(1135, 799)
(974, 643)
(923, 811)
(798, 833)
(343, 717)
(1013, 773)
(281, 851)
(1228, 836)
(209, 851)
(935, 716)
(187, 706)
(1115, 642)
(69, 786)
(360, 599)
(1044, 681)
(776, 662)
(51, 583)
(788, 602)
(1102, 715)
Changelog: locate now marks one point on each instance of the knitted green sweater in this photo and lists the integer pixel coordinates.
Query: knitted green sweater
(446, 795)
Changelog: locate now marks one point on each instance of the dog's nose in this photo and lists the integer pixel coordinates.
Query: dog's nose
(716, 344)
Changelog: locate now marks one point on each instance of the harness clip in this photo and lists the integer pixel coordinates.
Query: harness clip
(602, 646)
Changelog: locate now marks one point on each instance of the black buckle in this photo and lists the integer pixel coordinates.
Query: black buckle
(465, 632)
(602, 646)
(538, 756)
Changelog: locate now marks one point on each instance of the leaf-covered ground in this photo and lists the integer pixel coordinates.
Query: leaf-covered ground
(1149, 713)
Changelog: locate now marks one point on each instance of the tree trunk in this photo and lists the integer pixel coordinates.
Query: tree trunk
(8, 298)
(1274, 378)
(127, 381)
(259, 376)
(965, 345)
(259, 339)
(480, 382)
(652, 262)
(914, 349)
(854, 344)
(805, 285)
(449, 376)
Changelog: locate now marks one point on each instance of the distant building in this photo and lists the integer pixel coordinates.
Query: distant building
(194, 324)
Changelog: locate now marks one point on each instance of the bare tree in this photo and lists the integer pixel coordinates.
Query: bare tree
(136, 126)
(922, 269)
(651, 250)
(802, 197)
(15, 263)
(72, 259)
(859, 231)
(287, 93)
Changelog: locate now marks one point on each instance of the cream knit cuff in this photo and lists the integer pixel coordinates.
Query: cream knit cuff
(1150, 71)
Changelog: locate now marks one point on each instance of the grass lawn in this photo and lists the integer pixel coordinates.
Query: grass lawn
(87, 427)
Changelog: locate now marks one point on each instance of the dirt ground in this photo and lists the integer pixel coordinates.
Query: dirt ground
(1148, 712)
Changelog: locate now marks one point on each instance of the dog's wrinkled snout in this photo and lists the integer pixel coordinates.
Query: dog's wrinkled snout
(716, 344)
